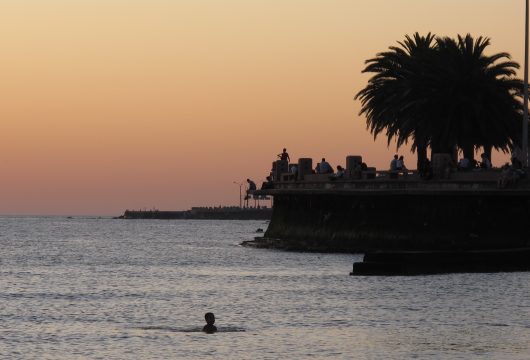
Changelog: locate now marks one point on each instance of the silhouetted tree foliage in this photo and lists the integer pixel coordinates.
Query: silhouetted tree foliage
(443, 93)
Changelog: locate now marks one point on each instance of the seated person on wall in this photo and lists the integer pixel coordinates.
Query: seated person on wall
(517, 166)
(426, 172)
(293, 170)
(485, 162)
(401, 165)
(325, 167)
(251, 186)
(267, 184)
(516, 163)
(508, 177)
(356, 173)
(464, 164)
(394, 167)
(394, 163)
(339, 174)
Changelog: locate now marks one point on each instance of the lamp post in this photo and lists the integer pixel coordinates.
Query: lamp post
(240, 201)
(525, 110)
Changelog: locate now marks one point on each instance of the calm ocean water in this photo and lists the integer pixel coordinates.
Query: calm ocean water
(112, 289)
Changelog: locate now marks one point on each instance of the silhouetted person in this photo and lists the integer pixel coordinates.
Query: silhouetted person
(427, 173)
(251, 185)
(401, 165)
(325, 167)
(340, 171)
(209, 328)
(267, 184)
(485, 163)
(516, 163)
(464, 164)
(284, 155)
(394, 163)
(339, 174)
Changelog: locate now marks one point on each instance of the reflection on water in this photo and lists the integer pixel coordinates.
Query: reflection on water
(111, 289)
(190, 329)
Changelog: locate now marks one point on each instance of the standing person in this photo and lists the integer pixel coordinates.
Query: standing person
(394, 163)
(284, 156)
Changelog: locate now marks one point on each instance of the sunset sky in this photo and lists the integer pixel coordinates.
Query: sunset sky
(109, 105)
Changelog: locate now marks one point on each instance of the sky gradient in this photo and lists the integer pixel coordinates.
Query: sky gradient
(109, 105)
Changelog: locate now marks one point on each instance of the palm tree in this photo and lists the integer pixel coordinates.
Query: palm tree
(392, 100)
(476, 97)
(443, 93)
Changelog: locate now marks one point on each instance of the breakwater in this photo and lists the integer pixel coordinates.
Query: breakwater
(439, 262)
(468, 211)
(202, 213)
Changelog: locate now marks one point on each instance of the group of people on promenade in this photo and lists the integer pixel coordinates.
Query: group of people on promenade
(511, 173)
(397, 165)
(323, 167)
(469, 164)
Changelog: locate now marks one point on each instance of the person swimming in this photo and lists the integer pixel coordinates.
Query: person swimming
(209, 328)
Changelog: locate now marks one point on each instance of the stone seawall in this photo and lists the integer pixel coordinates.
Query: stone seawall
(365, 220)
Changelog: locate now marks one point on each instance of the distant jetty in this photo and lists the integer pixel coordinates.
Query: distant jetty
(203, 213)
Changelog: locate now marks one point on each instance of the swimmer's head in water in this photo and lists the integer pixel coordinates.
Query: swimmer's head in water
(210, 318)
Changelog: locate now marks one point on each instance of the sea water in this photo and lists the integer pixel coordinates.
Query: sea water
(90, 288)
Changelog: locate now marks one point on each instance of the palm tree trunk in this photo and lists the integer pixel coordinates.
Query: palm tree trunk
(487, 151)
(454, 154)
(441, 149)
(469, 152)
(421, 148)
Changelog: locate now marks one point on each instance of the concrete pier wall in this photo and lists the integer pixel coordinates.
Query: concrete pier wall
(363, 220)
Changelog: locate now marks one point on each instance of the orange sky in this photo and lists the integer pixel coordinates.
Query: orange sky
(115, 104)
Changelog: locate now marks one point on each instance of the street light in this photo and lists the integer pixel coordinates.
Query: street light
(240, 186)
(525, 110)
